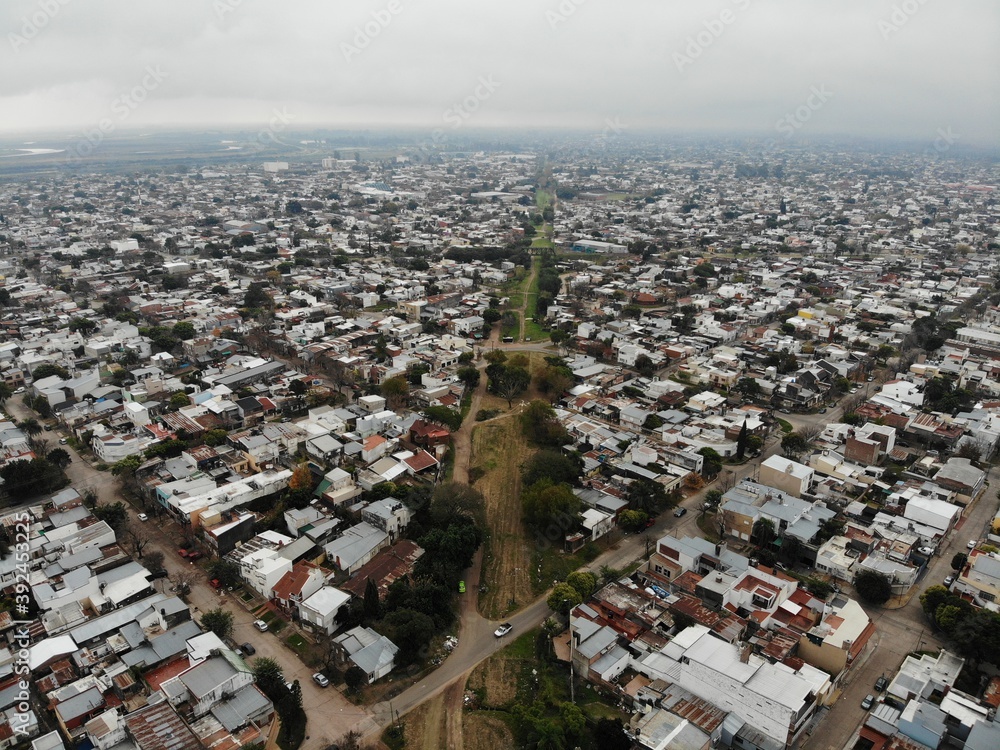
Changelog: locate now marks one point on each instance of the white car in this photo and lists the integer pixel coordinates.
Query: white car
(142, 517)
(972, 544)
(320, 679)
(260, 625)
(503, 630)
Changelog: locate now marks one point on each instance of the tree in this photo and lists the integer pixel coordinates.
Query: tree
(713, 497)
(632, 521)
(712, 464)
(645, 366)
(113, 514)
(136, 538)
(933, 598)
(396, 392)
(355, 677)
(741, 441)
(371, 600)
(267, 673)
(301, 479)
(557, 466)
(226, 572)
(763, 533)
(609, 734)
(491, 315)
(219, 621)
(60, 457)
(154, 561)
(793, 444)
(541, 426)
(469, 375)
(508, 381)
(646, 495)
(873, 587)
(184, 330)
(563, 598)
(958, 561)
(410, 630)
(546, 504)
(256, 297)
(755, 443)
(179, 400)
(584, 582)
(47, 370)
(749, 387)
(30, 427)
(5, 391)
(456, 500)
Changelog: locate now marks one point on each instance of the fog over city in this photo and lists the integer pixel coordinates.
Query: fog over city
(854, 67)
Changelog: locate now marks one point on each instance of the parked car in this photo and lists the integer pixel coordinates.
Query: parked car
(19, 389)
(142, 517)
(260, 625)
(320, 679)
(503, 630)
(881, 683)
(248, 649)
(680, 512)
(157, 574)
(949, 580)
(926, 551)
(972, 544)
(63, 441)
(868, 702)
(215, 583)
(182, 552)
(192, 556)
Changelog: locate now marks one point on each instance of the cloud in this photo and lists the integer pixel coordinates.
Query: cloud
(902, 68)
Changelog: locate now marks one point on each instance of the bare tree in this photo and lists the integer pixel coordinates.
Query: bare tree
(852, 402)
(154, 560)
(135, 538)
(182, 581)
(809, 432)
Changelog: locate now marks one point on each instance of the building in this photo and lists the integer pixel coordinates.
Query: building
(786, 475)
(372, 653)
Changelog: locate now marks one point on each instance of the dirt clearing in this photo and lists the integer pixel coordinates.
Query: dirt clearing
(498, 450)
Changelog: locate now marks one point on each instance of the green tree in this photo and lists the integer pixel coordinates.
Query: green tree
(46, 370)
(873, 587)
(793, 444)
(126, 466)
(469, 375)
(219, 621)
(545, 504)
(712, 464)
(563, 598)
(226, 572)
(958, 561)
(355, 677)
(763, 532)
(631, 521)
(584, 582)
(609, 734)
(741, 441)
(60, 457)
(541, 425)
(410, 630)
(27, 479)
(179, 400)
(456, 500)
(557, 466)
(933, 598)
(184, 330)
(267, 674)
(396, 392)
(647, 495)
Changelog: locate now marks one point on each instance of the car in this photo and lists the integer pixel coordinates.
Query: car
(260, 625)
(320, 679)
(949, 580)
(142, 517)
(823, 410)
(870, 378)
(192, 556)
(926, 551)
(868, 702)
(48, 428)
(971, 544)
(461, 587)
(215, 583)
(63, 441)
(19, 390)
(247, 649)
(783, 411)
(503, 630)
(183, 552)
(881, 683)
(157, 574)
(680, 512)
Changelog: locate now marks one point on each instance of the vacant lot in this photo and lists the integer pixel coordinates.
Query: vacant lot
(498, 450)
(485, 731)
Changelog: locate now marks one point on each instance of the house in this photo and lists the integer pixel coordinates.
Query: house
(263, 568)
(428, 435)
(959, 475)
(980, 579)
(390, 515)
(320, 611)
(298, 584)
(372, 653)
(786, 475)
(774, 700)
(358, 545)
(596, 653)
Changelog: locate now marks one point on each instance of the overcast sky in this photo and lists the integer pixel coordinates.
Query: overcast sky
(775, 67)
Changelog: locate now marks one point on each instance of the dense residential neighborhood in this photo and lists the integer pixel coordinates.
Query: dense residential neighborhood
(710, 438)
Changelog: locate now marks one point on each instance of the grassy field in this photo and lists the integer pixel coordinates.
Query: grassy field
(498, 449)
(532, 330)
(551, 564)
(510, 324)
(543, 198)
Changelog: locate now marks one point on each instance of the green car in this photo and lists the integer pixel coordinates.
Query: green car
(461, 587)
